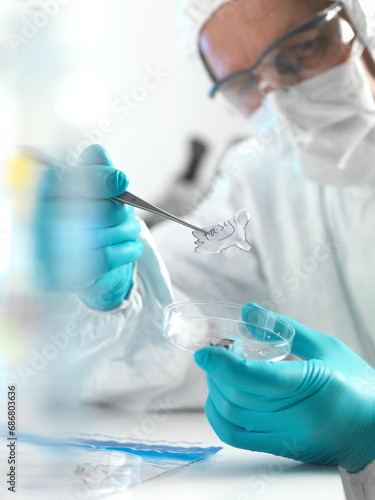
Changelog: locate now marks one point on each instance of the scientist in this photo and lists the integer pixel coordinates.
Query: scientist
(302, 76)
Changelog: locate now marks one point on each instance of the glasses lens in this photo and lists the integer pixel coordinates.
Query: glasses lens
(243, 93)
(308, 54)
(300, 57)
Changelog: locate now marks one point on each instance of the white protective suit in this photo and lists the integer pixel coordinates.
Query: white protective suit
(312, 259)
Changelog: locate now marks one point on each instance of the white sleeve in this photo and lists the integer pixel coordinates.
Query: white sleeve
(121, 357)
(361, 485)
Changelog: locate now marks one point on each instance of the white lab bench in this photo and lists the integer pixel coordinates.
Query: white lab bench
(231, 474)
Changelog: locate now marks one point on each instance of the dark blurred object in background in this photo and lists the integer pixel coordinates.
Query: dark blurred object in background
(198, 150)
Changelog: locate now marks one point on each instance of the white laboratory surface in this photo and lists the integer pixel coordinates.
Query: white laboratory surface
(231, 474)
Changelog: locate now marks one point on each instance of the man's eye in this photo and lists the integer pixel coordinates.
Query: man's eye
(309, 44)
(284, 64)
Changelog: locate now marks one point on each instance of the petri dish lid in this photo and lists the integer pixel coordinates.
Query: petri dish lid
(245, 330)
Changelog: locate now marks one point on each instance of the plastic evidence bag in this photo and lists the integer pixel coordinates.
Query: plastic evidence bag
(95, 465)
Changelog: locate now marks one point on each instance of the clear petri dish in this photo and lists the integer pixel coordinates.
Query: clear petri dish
(247, 331)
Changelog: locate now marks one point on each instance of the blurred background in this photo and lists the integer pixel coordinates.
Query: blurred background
(77, 72)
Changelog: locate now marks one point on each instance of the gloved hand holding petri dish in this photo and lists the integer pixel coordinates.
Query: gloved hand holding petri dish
(251, 333)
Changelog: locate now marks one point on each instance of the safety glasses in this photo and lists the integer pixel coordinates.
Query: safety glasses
(307, 50)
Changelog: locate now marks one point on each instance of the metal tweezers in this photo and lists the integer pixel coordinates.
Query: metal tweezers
(134, 201)
(125, 197)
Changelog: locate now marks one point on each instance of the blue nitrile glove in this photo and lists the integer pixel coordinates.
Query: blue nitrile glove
(319, 410)
(87, 243)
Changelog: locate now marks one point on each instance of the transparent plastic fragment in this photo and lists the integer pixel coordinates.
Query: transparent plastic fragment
(223, 235)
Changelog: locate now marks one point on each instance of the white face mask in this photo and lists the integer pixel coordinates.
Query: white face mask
(331, 118)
